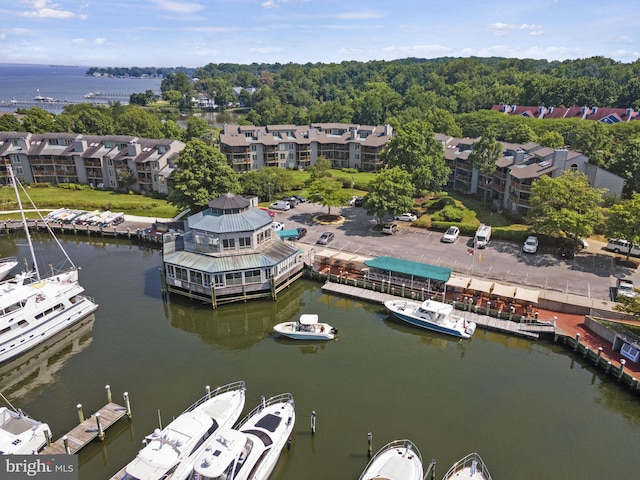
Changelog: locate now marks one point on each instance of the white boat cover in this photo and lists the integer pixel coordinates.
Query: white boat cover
(480, 285)
(527, 295)
(308, 319)
(505, 291)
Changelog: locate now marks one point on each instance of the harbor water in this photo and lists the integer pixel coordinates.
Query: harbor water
(532, 410)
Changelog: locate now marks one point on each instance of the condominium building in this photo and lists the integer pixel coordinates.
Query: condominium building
(250, 148)
(111, 161)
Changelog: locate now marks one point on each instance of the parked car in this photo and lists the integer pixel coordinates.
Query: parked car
(270, 212)
(530, 244)
(358, 202)
(300, 199)
(390, 228)
(483, 235)
(325, 238)
(293, 201)
(625, 287)
(618, 245)
(451, 235)
(277, 226)
(301, 232)
(280, 205)
(406, 217)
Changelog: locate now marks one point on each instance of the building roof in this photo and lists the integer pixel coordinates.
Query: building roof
(268, 257)
(407, 267)
(246, 221)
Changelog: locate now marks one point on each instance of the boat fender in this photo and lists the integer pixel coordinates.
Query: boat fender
(334, 330)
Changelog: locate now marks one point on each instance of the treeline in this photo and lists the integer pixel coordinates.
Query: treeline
(136, 72)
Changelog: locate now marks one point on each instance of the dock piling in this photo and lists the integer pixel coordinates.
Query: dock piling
(65, 441)
(108, 388)
(128, 404)
(80, 412)
(100, 430)
(369, 444)
(313, 422)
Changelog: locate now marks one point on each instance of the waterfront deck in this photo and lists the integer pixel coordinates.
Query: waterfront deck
(87, 431)
(529, 330)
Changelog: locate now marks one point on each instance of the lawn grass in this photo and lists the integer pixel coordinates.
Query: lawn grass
(52, 198)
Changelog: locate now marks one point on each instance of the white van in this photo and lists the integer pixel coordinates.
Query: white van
(618, 245)
(280, 205)
(483, 235)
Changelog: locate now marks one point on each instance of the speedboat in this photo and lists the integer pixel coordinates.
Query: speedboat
(398, 460)
(33, 308)
(250, 450)
(166, 449)
(19, 433)
(6, 265)
(470, 467)
(431, 315)
(306, 327)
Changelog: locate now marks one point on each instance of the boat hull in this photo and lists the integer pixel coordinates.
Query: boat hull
(318, 331)
(406, 312)
(399, 460)
(470, 467)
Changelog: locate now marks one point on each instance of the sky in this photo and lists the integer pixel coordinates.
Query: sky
(194, 33)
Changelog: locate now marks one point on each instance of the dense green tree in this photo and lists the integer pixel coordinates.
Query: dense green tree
(443, 122)
(623, 220)
(171, 129)
(551, 139)
(267, 183)
(415, 149)
(138, 122)
(328, 192)
(10, 123)
(38, 120)
(390, 192)
(174, 97)
(483, 157)
(320, 169)
(627, 164)
(564, 206)
(196, 128)
(201, 174)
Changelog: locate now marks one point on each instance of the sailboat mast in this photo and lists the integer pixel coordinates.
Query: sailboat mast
(14, 181)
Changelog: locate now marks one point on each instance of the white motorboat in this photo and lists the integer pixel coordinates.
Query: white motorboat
(6, 265)
(251, 450)
(470, 467)
(19, 433)
(33, 308)
(398, 460)
(431, 315)
(166, 449)
(306, 327)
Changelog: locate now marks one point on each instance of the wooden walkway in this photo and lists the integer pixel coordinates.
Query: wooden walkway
(88, 430)
(529, 330)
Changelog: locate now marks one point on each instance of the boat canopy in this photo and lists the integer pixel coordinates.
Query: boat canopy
(407, 267)
(309, 319)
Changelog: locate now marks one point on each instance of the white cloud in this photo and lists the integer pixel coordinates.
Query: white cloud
(45, 9)
(100, 40)
(78, 41)
(274, 3)
(178, 7)
(501, 29)
(624, 39)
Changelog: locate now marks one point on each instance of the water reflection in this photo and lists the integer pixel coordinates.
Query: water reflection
(39, 367)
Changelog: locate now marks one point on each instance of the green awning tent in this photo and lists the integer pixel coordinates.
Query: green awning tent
(409, 268)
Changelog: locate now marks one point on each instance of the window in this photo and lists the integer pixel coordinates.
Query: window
(245, 242)
(19, 171)
(252, 276)
(218, 280)
(15, 158)
(195, 277)
(229, 244)
(234, 278)
(182, 274)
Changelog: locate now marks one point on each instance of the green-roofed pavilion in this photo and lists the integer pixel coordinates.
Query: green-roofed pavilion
(411, 270)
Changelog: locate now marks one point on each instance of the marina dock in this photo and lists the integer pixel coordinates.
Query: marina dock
(89, 429)
(529, 330)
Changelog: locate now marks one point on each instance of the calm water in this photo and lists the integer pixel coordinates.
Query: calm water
(529, 409)
(24, 82)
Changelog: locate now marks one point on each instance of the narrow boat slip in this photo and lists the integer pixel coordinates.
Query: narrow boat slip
(33, 308)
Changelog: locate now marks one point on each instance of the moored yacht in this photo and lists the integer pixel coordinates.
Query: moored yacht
(470, 467)
(6, 265)
(250, 450)
(398, 460)
(33, 308)
(166, 449)
(19, 433)
(307, 327)
(431, 315)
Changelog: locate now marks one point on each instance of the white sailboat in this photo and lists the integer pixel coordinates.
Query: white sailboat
(33, 308)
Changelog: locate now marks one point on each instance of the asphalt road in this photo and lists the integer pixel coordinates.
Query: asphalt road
(591, 273)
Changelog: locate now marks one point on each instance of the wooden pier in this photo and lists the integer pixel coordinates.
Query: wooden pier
(90, 428)
(529, 330)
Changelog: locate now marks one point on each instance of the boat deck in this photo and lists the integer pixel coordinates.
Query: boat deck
(87, 431)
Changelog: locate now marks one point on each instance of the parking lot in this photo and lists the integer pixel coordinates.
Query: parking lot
(591, 273)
